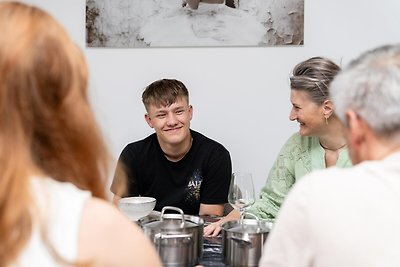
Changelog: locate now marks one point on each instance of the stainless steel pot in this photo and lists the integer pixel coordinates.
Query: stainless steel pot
(243, 240)
(177, 237)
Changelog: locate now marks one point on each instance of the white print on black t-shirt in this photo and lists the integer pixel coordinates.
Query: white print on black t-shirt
(193, 187)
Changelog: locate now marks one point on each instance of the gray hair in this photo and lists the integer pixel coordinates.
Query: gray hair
(370, 86)
(314, 76)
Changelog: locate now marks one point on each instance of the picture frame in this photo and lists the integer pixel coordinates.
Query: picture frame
(207, 23)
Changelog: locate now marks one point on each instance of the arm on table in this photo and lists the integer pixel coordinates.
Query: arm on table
(211, 209)
(279, 181)
(214, 229)
(265, 207)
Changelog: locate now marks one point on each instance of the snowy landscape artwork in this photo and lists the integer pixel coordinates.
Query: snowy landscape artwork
(175, 23)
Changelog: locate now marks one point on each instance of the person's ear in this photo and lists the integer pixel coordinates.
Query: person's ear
(190, 112)
(356, 128)
(328, 108)
(148, 120)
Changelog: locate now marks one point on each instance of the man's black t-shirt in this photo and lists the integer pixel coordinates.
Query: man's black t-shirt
(201, 176)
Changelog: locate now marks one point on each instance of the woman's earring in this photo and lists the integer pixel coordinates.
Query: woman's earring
(326, 120)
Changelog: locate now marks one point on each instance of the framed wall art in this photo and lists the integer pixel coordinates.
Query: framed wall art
(194, 23)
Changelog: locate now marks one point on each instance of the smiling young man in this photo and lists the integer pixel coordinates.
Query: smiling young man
(176, 165)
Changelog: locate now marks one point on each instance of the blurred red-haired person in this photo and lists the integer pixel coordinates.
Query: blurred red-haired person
(52, 158)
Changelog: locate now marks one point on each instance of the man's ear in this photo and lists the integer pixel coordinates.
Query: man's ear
(356, 128)
(148, 120)
(191, 111)
(328, 108)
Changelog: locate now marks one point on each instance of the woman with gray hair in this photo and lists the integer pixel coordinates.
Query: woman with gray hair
(320, 142)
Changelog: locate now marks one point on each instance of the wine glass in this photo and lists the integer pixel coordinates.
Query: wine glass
(241, 192)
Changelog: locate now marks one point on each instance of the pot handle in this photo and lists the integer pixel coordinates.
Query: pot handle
(173, 236)
(252, 215)
(174, 209)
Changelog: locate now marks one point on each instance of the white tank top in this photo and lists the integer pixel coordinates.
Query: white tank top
(60, 206)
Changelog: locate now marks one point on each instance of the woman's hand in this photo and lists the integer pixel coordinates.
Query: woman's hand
(213, 229)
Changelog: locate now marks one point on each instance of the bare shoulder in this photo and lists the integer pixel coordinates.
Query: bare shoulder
(108, 238)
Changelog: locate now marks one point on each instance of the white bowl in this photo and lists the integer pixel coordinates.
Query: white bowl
(136, 207)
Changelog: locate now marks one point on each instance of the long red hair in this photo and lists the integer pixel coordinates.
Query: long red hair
(46, 124)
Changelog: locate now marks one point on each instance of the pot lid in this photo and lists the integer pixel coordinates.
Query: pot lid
(172, 221)
(249, 226)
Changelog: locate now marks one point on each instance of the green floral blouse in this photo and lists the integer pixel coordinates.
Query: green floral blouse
(298, 157)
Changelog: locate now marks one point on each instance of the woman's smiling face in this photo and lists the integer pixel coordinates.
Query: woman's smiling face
(309, 114)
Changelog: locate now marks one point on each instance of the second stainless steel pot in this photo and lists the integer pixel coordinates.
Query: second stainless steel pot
(177, 237)
(243, 240)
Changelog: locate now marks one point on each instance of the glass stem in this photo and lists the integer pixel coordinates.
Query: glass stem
(241, 211)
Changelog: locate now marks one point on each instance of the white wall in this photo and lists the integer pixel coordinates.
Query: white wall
(240, 95)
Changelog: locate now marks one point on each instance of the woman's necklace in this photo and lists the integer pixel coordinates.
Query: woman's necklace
(342, 146)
